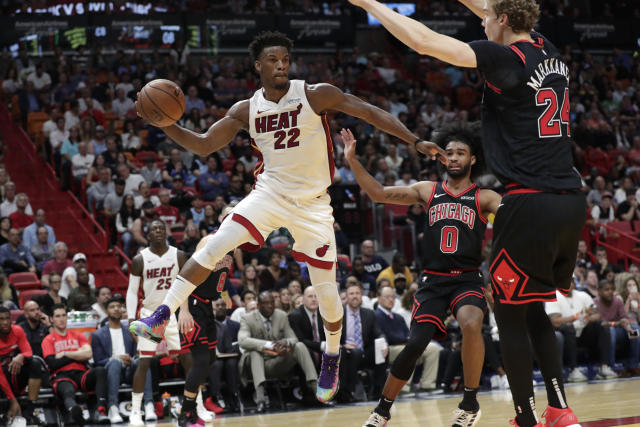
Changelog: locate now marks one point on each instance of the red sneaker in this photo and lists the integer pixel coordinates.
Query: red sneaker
(211, 406)
(159, 408)
(554, 417)
(513, 422)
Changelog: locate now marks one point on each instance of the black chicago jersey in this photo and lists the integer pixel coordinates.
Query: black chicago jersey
(454, 230)
(213, 286)
(525, 114)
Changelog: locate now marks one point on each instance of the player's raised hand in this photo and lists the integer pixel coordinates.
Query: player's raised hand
(432, 150)
(349, 144)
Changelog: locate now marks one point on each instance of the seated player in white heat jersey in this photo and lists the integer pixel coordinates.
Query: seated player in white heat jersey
(153, 271)
(287, 122)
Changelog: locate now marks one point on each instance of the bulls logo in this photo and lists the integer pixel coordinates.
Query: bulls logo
(507, 279)
(322, 251)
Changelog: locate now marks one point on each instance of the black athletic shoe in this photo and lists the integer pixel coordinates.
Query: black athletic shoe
(189, 419)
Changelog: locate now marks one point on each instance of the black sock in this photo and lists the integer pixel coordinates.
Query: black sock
(189, 404)
(469, 401)
(384, 407)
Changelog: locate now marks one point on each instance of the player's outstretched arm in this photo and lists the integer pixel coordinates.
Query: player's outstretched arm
(419, 37)
(376, 191)
(475, 6)
(218, 135)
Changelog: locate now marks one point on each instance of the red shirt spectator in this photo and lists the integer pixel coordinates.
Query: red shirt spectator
(20, 220)
(55, 266)
(12, 344)
(55, 343)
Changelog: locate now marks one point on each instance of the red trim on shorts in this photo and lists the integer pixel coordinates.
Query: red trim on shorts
(327, 132)
(175, 351)
(523, 191)
(477, 196)
(519, 53)
(564, 292)
(446, 190)
(463, 295)
(206, 301)
(494, 88)
(450, 273)
(430, 318)
(147, 353)
(83, 380)
(301, 256)
(511, 302)
(250, 227)
(416, 306)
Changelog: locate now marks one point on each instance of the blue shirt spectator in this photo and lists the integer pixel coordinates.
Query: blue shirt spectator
(213, 182)
(30, 233)
(15, 257)
(193, 101)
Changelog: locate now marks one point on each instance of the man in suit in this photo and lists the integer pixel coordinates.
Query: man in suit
(114, 349)
(227, 360)
(271, 348)
(302, 321)
(359, 331)
(395, 329)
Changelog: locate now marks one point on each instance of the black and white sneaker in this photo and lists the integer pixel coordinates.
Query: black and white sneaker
(462, 418)
(375, 420)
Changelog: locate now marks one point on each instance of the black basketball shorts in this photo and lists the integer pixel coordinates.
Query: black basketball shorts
(204, 325)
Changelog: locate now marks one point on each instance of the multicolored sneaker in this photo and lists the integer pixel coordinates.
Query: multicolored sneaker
(555, 417)
(152, 327)
(328, 378)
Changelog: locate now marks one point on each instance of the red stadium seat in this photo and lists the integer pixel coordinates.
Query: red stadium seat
(15, 314)
(28, 294)
(345, 261)
(141, 156)
(23, 281)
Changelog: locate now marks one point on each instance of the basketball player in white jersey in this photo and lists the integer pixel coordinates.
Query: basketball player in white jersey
(153, 271)
(287, 122)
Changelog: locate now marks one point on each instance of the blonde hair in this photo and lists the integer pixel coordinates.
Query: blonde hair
(522, 14)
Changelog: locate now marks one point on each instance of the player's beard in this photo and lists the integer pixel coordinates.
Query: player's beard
(460, 173)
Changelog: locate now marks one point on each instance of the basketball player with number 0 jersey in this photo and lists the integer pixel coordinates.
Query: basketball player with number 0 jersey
(457, 212)
(287, 122)
(153, 271)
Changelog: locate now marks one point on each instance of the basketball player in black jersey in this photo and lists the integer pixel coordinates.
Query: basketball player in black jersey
(525, 118)
(457, 212)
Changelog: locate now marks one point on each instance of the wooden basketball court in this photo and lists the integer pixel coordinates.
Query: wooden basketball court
(597, 404)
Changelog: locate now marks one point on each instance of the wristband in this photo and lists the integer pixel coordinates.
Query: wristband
(417, 140)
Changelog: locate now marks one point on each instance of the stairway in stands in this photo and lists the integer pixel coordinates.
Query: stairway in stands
(70, 220)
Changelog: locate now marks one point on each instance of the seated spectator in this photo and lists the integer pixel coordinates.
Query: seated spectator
(169, 214)
(124, 223)
(249, 279)
(122, 104)
(144, 195)
(58, 264)
(292, 272)
(67, 354)
(40, 78)
(42, 250)
(307, 324)
(296, 301)
(99, 163)
(67, 151)
(130, 139)
(578, 324)
(98, 144)
(132, 181)
(114, 349)
(113, 201)
(602, 267)
(270, 275)
(398, 265)
(226, 361)
(192, 100)
(373, 264)
(19, 367)
(213, 182)
(196, 213)
(69, 276)
(28, 101)
(191, 239)
(58, 135)
(285, 300)
(611, 308)
(82, 297)
(36, 326)
(271, 349)
(19, 219)
(359, 331)
(631, 298)
(628, 210)
(103, 295)
(14, 257)
(236, 189)
(247, 296)
(396, 332)
(367, 280)
(180, 198)
(8, 294)
(99, 190)
(53, 296)
(81, 162)
(209, 222)
(29, 235)
(9, 205)
(295, 287)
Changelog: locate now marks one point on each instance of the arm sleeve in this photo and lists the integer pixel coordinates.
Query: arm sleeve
(132, 296)
(5, 387)
(55, 364)
(23, 344)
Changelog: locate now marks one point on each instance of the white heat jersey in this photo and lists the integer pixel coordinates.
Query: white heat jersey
(158, 273)
(295, 144)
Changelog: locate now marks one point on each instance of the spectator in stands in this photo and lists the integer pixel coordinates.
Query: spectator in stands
(99, 163)
(70, 275)
(58, 135)
(295, 287)
(213, 182)
(611, 308)
(270, 275)
(210, 222)
(359, 331)
(373, 264)
(30, 237)
(181, 198)
(604, 211)
(9, 204)
(28, 101)
(103, 295)
(53, 296)
(227, 360)
(247, 296)
(115, 350)
(249, 279)
(20, 219)
(42, 250)
(122, 105)
(8, 294)
(367, 280)
(98, 144)
(132, 180)
(144, 195)
(578, 323)
(191, 239)
(306, 322)
(236, 189)
(594, 197)
(628, 210)
(71, 117)
(169, 214)
(19, 368)
(196, 212)
(602, 267)
(631, 298)
(141, 224)
(14, 257)
(396, 332)
(111, 154)
(99, 190)
(113, 201)
(296, 301)
(40, 78)
(130, 139)
(36, 326)
(58, 264)
(398, 265)
(285, 300)
(271, 348)
(195, 121)
(5, 226)
(583, 254)
(11, 83)
(82, 297)
(150, 172)
(67, 353)
(192, 100)
(591, 283)
(81, 162)
(124, 223)
(292, 272)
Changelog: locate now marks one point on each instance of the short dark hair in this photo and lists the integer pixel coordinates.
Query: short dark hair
(119, 181)
(468, 134)
(113, 299)
(58, 306)
(268, 39)
(247, 291)
(101, 288)
(604, 282)
(4, 309)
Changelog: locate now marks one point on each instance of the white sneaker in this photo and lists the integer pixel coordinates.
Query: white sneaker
(606, 372)
(114, 415)
(462, 418)
(150, 412)
(576, 376)
(135, 419)
(202, 412)
(495, 382)
(504, 383)
(375, 420)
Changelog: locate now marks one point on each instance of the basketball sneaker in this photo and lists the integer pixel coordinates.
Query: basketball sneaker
(462, 418)
(202, 412)
(189, 419)
(375, 420)
(152, 327)
(135, 418)
(554, 417)
(328, 379)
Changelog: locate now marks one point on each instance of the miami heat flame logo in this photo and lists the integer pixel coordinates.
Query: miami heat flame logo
(322, 251)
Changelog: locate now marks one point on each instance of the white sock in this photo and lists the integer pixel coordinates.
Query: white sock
(179, 291)
(333, 340)
(136, 401)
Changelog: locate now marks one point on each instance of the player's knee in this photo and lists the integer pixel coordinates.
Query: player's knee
(471, 324)
(415, 347)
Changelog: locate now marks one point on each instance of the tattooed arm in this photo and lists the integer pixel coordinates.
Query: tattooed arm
(417, 193)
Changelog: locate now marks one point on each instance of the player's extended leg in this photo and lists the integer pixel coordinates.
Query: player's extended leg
(330, 306)
(196, 375)
(139, 381)
(401, 370)
(230, 235)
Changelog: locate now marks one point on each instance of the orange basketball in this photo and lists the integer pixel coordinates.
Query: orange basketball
(161, 102)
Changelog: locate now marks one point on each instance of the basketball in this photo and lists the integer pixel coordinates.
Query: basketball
(161, 102)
